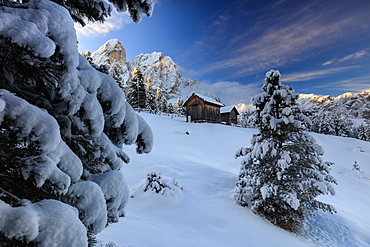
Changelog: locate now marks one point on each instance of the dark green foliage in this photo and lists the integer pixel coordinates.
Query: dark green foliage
(6, 242)
(136, 93)
(150, 95)
(98, 10)
(28, 76)
(91, 238)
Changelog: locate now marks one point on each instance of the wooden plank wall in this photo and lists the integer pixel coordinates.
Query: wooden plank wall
(199, 110)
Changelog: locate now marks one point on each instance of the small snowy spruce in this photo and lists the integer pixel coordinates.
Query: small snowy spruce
(62, 126)
(156, 184)
(149, 94)
(356, 167)
(282, 172)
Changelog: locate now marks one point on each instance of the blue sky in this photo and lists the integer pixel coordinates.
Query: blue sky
(320, 47)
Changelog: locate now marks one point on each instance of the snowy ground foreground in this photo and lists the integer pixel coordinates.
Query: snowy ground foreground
(204, 213)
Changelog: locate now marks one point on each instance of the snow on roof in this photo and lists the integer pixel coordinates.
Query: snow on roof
(227, 109)
(205, 98)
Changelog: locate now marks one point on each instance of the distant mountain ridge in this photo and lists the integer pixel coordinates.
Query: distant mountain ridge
(164, 74)
(161, 70)
(350, 105)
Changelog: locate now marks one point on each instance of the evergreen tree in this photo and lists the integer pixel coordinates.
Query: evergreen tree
(282, 172)
(62, 127)
(164, 106)
(246, 119)
(136, 95)
(321, 123)
(331, 122)
(361, 132)
(160, 100)
(179, 108)
(150, 95)
(117, 77)
(170, 108)
(356, 167)
(367, 130)
(96, 10)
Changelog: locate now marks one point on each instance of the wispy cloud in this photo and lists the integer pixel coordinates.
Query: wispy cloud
(285, 39)
(317, 74)
(354, 56)
(357, 84)
(114, 22)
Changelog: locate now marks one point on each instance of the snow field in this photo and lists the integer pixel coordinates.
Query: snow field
(204, 212)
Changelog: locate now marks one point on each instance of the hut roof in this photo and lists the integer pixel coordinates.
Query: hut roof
(205, 98)
(227, 109)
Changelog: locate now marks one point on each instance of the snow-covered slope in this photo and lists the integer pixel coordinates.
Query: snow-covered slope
(161, 69)
(201, 158)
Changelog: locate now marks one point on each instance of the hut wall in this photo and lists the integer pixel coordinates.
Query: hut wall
(194, 108)
(212, 113)
(233, 117)
(201, 111)
(225, 117)
(229, 117)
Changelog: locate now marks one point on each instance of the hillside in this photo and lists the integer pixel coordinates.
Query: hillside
(204, 212)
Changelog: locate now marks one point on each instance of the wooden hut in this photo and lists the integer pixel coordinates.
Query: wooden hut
(200, 108)
(229, 115)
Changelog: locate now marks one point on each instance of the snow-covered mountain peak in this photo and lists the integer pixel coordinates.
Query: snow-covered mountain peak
(155, 59)
(345, 95)
(110, 54)
(149, 59)
(162, 70)
(316, 98)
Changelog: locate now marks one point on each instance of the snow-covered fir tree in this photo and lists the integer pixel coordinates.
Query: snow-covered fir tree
(156, 184)
(282, 173)
(179, 108)
(136, 92)
(356, 167)
(160, 101)
(170, 108)
(367, 131)
(331, 122)
(62, 126)
(150, 94)
(361, 132)
(116, 76)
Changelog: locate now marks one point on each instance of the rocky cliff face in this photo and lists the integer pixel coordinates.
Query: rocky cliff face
(159, 69)
(113, 55)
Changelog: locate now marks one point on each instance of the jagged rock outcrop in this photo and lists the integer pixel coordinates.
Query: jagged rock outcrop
(160, 70)
(113, 55)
